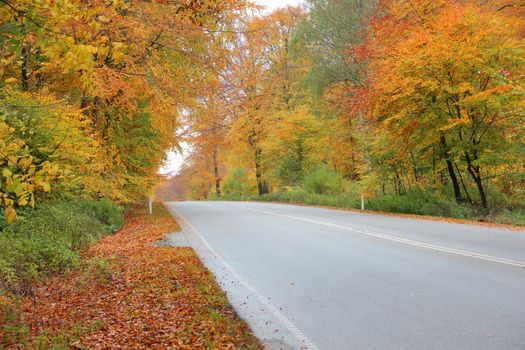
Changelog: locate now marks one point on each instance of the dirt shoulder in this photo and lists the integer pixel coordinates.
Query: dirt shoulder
(131, 294)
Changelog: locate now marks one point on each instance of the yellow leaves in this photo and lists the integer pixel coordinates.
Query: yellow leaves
(25, 162)
(46, 186)
(6, 173)
(23, 175)
(9, 213)
(453, 123)
(118, 53)
(11, 81)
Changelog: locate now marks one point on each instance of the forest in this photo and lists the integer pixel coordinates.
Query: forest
(417, 105)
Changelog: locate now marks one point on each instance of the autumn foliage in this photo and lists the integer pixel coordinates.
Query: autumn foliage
(401, 98)
(91, 93)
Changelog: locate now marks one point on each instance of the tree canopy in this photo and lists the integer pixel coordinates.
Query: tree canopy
(386, 97)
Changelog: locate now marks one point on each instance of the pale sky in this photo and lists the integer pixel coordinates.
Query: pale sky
(277, 3)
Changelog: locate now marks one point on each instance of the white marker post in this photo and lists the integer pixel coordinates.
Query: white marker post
(362, 201)
(150, 206)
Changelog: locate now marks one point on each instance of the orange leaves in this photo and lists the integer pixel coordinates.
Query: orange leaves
(132, 294)
(446, 71)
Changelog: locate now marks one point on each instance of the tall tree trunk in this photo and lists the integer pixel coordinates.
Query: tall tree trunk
(451, 172)
(216, 172)
(262, 185)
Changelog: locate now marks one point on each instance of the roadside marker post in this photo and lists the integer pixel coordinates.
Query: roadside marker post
(362, 201)
(150, 206)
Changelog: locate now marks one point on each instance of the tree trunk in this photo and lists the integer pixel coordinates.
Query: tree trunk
(463, 184)
(414, 167)
(451, 172)
(216, 172)
(262, 185)
(475, 172)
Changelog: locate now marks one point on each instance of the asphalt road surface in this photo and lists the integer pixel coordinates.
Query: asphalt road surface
(327, 279)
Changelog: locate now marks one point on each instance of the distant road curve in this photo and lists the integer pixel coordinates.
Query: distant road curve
(332, 279)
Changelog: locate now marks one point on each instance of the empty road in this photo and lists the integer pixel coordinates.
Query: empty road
(327, 279)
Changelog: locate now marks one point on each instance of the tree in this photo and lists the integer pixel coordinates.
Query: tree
(452, 86)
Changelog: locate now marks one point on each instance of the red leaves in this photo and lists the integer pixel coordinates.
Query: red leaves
(132, 294)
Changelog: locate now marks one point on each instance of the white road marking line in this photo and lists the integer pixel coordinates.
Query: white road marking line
(473, 255)
(306, 343)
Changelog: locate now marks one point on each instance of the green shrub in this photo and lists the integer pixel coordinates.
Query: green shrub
(514, 216)
(106, 212)
(323, 181)
(299, 195)
(421, 203)
(237, 185)
(414, 202)
(47, 240)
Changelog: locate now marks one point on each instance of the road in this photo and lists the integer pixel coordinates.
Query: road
(331, 279)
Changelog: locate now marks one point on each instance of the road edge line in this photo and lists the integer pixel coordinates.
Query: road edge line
(306, 343)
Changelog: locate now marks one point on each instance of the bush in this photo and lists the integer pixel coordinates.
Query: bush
(106, 212)
(323, 181)
(414, 202)
(47, 240)
(420, 203)
(237, 185)
(299, 195)
(514, 216)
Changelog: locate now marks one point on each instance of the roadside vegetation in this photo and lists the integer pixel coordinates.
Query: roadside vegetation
(324, 187)
(49, 239)
(414, 202)
(417, 105)
(123, 292)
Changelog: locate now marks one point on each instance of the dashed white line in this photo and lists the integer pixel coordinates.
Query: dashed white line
(468, 254)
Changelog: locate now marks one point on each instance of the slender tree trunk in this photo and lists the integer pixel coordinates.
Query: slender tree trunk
(475, 172)
(463, 184)
(414, 167)
(105, 128)
(262, 186)
(451, 172)
(216, 172)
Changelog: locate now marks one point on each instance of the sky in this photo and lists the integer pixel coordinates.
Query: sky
(175, 159)
(277, 3)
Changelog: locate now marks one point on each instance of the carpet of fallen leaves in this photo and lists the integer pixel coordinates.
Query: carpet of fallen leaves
(131, 294)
